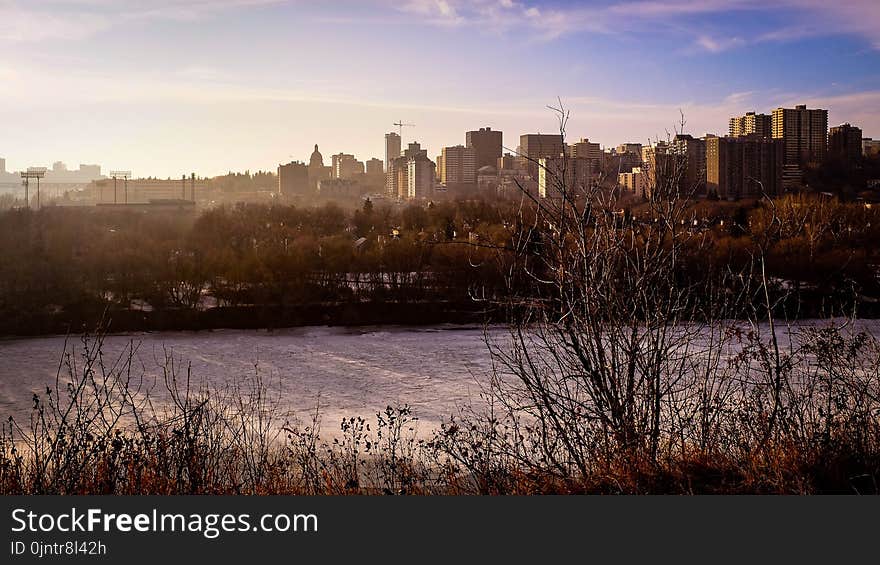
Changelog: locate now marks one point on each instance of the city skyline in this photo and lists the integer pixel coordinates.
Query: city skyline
(248, 84)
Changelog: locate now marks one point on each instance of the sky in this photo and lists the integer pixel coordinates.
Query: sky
(168, 87)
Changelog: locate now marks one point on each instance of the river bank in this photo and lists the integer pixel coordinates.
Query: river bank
(77, 321)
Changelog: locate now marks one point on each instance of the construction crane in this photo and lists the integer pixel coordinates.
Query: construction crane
(400, 125)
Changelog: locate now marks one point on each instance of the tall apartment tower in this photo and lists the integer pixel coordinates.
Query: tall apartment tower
(535, 146)
(392, 148)
(751, 123)
(555, 174)
(397, 174)
(457, 165)
(392, 153)
(845, 142)
(419, 177)
(345, 166)
(805, 135)
(742, 167)
(870, 147)
(629, 156)
(693, 151)
(487, 146)
(584, 149)
(375, 167)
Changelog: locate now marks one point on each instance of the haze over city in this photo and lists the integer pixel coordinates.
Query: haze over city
(191, 85)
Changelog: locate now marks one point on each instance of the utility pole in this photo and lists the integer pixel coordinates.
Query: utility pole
(124, 175)
(32, 173)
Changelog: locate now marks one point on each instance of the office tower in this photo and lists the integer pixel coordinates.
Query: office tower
(743, 167)
(2, 165)
(535, 146)
(575, 175)
(845, 142)
(805, 135)
(375, 167)
(871, 147)
(392, 148)
(487, 145)
(293, 178)
(693, 151)
(751, 123)
(419, 177)
(457, 165)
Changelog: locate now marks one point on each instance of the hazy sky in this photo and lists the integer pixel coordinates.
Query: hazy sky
(165, 87)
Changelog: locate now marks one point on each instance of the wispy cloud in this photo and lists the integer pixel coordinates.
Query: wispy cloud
(717, 45)
(38, 20)
(69, 20)
(806, 18)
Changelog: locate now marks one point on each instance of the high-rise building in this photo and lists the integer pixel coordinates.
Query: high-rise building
(870, 147)
(845, 142)
(419, 177)
(805, 135)
(293, 178)
(742, 167)
(751, 123)
(657, 166)
(629, 148)
(346, 166)
(558, 173)
(487, 145)
(633, 181)
(396, 180)
(392, 149)
(584, 149)
(2, 165)
(375, 167)
(535, 146)
(693, 151)
(629, 156)
(457, 165)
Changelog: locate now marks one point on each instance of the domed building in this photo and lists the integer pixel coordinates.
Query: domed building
(316, 160)
(317, 170)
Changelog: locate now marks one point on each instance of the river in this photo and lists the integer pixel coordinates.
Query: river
(345, 371)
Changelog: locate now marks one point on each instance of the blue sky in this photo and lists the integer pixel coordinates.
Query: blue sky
(173, 86)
